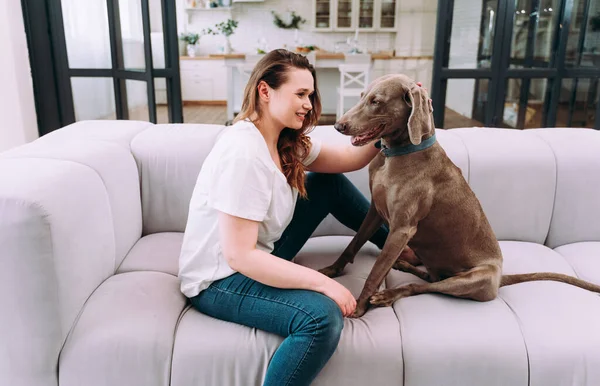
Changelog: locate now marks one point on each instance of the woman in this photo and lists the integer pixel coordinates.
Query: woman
(246, 222)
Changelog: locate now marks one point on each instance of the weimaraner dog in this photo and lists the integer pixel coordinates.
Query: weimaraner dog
(425, 200)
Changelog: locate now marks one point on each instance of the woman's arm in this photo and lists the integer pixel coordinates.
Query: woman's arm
(342, 158)
(238, 240)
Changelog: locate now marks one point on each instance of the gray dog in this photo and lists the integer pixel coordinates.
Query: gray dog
(425, 200)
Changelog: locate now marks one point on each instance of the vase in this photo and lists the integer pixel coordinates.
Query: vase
(191, 50)
(227, 48)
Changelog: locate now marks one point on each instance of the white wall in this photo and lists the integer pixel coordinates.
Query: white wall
(417, 21)
(17, 109)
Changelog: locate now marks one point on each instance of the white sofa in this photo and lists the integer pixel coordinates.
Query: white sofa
(91, 222)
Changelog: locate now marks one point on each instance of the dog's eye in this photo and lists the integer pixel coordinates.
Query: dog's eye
(374, 102)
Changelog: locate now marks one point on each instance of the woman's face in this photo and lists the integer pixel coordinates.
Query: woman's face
(290, 103)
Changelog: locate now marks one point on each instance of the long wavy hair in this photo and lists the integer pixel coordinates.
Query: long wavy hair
(293, 145)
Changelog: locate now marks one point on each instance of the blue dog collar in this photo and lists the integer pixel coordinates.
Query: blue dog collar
(403, 150)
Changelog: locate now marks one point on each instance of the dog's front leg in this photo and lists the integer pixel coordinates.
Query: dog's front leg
(369, 226)
(395, 244)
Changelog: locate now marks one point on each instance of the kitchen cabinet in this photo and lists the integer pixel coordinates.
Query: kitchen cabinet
(203, 79)
(348, 15)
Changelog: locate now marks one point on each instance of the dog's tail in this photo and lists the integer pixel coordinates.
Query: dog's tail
(525, 277)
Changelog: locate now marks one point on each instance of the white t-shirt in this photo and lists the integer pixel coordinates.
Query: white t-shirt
(239, 178)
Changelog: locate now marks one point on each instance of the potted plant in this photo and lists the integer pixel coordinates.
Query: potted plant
(226, 28)
(191, 39)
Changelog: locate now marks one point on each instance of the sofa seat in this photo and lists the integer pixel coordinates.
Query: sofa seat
(537, 333)
(424, 340)
(91, 224)
(584, 258)
(203, 345)
(125, 332)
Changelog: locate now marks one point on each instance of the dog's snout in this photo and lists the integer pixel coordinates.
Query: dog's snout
(341, 127)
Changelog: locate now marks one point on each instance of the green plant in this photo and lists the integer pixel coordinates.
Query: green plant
(295, 23)
(226, 28)
(209, 31)
(190, 37)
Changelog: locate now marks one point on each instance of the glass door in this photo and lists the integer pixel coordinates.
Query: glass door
(111, 59)
(516, 64)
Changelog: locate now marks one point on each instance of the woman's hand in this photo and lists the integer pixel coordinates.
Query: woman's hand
(421, 85)
(339, 294)
(238, 238)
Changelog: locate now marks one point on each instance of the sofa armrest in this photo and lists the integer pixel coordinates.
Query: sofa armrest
(68, 215)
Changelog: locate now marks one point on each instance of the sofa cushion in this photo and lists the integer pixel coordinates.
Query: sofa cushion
(330, 226)
(169, 158)
(209, 351)
(559, 324)
(523, 257)
(156, 252)
(120, 132)
(57, 246)
(576, 209)
(213, 352)
(454, 341)
(543, 331)
(112, 164)
(584, 259)
(514, 177)
(125, 333)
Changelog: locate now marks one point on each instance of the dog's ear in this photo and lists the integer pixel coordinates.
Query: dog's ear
(420, 121)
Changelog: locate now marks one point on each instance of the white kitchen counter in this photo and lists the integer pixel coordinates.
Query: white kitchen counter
(201, 74)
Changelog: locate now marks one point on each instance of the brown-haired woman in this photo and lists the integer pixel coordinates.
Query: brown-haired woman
(246, 222)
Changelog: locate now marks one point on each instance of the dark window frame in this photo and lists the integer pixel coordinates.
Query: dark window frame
(499, 72)
(52, 76)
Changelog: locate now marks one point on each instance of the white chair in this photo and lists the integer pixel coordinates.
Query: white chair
(354, 78)
(357, 58)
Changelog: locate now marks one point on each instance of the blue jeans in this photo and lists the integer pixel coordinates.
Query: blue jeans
(310, 322)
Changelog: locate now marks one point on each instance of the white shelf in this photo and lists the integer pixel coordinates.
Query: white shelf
(191, 11)
(228, 9)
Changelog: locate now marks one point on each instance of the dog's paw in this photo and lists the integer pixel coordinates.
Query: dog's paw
(358, 312)
(382, 299)
(387, 297)
(331, 271)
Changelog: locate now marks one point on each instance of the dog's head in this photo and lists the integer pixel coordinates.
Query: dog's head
(392, 107)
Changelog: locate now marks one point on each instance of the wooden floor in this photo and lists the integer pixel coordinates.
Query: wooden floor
(201, 114)
(452, 120)
(218, 115)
